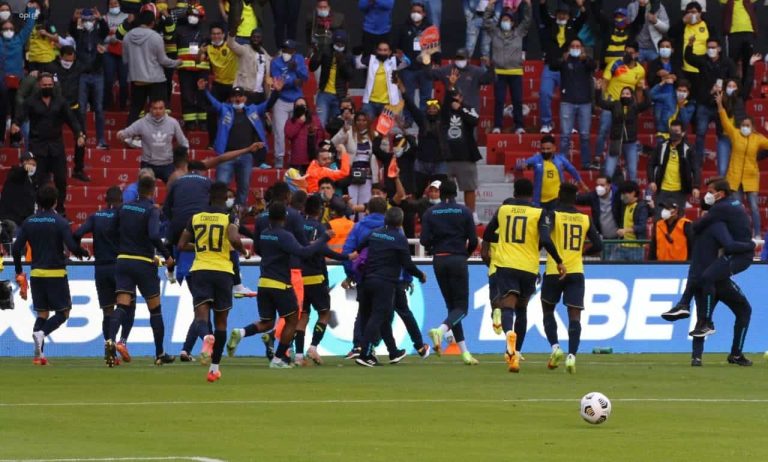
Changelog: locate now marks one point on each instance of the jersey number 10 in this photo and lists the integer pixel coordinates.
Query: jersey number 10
(516, 229)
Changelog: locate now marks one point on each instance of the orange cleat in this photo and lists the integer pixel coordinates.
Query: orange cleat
(40, 361)
(122, 350)
(214, 376)
(207, 351)
(511, 355)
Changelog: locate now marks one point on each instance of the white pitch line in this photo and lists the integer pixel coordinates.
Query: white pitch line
(109, 459)
(375, 401)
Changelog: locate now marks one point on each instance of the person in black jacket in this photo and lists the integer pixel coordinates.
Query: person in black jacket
(334, 62)
(667, 63)
(47, 113)
(431, 156)
(89, 29)
(673, 185)
(460, 121)
(17, 201)
(556, 32)
(406, 43)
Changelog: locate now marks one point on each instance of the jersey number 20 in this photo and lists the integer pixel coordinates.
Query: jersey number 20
(215, 237)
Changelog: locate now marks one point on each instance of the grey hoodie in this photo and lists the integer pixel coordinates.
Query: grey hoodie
(144, 54)
(157, 138)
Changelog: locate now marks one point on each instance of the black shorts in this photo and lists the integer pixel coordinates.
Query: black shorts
(105, 285)
(493, 288)
(571, 288)
(513, 281)
(214, 287)
(316, 296)
(276, 302)
(130, 274)
(50, 294)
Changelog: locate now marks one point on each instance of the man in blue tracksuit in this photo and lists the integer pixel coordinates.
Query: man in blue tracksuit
(388, 255)
(448, 233)
(544, 181)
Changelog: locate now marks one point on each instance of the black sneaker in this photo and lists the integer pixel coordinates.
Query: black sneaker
(695, 362)
(110, 353)
(703, 330)
(739, 360)
(678, 312)
(354, 353)
(369, 361)
(186, 357)
(165, 358)
(397, 356)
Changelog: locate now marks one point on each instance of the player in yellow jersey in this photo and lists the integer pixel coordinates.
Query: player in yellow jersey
(519, 229)
(212, 235)
(570, 228)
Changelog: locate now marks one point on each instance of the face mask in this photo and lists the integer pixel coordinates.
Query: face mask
(712, 52)
(115, 10)
(193, 20)
(675, 137)
(238, 106)
(339, 48)
(158, 119)
(287, 57)
(8, 34)
(666, 214)
(746, 131)
(709, 198)
(46, 92)
(88, 25)
(625, 199)
(31, 171)
(682, 96)
(694, 18)
(600, 190)
(382, 57)
(506, 26)
(561, 22)
(323, 13)
(628, 58)
(730, 91)
(665, 52)
(230, 203)
(416, 17)
(4, 15)
(461, 63)
(547, 155)
(575, 52)
(218, 43)
(66, 64)
(626, 101)
(434, 201)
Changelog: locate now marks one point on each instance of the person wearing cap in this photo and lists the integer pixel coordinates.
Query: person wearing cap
(655, 26)
(406, 43)
(448, 233)
(672, 234)
(463, 76)
(557, 33)
(189, 37)
(292, 70)
(616, 31)
(17, 201)
(253, 64)
(377, 22)
(321, 26)
(336, 66)
(507, 43)
(673, 172)
(320, 167)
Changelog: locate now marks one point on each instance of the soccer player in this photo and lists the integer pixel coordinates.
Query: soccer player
(138, 225)
(210, 279)
(569, 230)
(277, 246)
(519, 229)
(448, 233)
(47, 233)
(105, 238)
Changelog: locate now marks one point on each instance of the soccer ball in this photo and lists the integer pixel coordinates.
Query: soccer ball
(595, 408)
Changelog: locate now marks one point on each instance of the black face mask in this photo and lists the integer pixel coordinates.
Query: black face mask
(547, 155)
(675, 137)
(46, 92)
(628, 58)
(382, 57)
(626, 101)
(433, 117)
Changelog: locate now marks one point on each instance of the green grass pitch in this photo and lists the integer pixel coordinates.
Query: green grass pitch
(434, 410)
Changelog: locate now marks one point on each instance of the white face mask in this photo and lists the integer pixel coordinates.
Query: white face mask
(230, 202)
(730, 91)
(88, 25)
(31, 171)
(115, 10)
(8, 34)
(709, 198)
(4, 15)
(561, 22)
(238, 106)
(339, 48)
(193, 20)
(66, 64)
(287, 56)
(158, 119)
(694, 18)
(665, 52)
(218, 43)
(416, 17)
(746, 131)
(434, 201)
(506, 26)
(600, 190)
(575, 52)
(682, 96)
(712, 52)
(666, 214)
(460, 63)
(323, 12)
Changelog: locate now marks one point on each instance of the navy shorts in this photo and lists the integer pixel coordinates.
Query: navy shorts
(493, 289)
(513, 281)
(130, 274)
(105, 285)
(214, 287)
(50, 294)
(317, 296)
(571, 288)
(276, 302)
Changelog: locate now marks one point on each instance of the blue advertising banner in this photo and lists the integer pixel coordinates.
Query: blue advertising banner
(623, 307)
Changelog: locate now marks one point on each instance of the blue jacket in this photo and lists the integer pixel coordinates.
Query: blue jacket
(665, 106)
(388, 255)
(377, 18)
(293, 79)
(359, 232)
(730, 211)
(708, 243)
(255, 113)
(536, 162)
(105, 236)
(12, 51)
(448, 227)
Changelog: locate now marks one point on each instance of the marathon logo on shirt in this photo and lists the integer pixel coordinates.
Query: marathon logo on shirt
(447, 212)
(383, 236)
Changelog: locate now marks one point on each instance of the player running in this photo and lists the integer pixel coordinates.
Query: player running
(569, 228)
(47, 233)
(138, 225)
(210, 278)
(519, 229)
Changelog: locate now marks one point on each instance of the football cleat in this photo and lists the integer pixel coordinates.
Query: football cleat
(739, 360)
(695, 362)
(369, 361)
(468, 359)
(424, 351)
(496, 316)
(511, 356)
(186, 357)
(396, 356)
(354, 353)
(314, 355)
(241, 291)
(40, 361)
(703, 330)
(278, 363)
(122, 350)
(570, 364)
(555, 358)
(300, 361)
(437, 338)
(234, 340)
(164, 358)
(677, 312)
(269, 349)
(214, 376)
(205, 354)
(110, 353)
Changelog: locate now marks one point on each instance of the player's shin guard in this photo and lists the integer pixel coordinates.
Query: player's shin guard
(53, 323)
(574, 336)
(550, 327)
(318, 333)
(298, 341)
(117, 319)
(220, 338)
(521, 326)
(158, 329)
(507, 319)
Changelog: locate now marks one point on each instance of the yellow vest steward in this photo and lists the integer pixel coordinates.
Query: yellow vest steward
(569, 232)
(518, 246)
